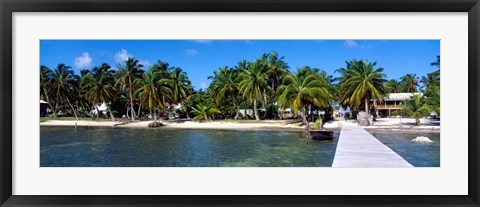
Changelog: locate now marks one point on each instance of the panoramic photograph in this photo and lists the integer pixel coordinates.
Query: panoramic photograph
(240, 103)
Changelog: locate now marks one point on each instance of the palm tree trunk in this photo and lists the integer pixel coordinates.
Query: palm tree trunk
(46, 96)
(185, 108)
(139, 107)
(367, 110)
(55, 109)
(155, 114)
(163, 110)
(132, 111)
(237, 107)
(74, 112)
(255, 109)
(366, 106)
(376, 108)
(264, 104)
(163, 100)
(111, 114)
(417, 121)
(273, 98)
(304, 119)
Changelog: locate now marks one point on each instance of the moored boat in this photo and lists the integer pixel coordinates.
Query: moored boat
(321, 134)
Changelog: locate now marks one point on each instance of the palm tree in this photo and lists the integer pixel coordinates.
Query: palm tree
(252, 82)
(431, 80)
(417, 108)
(276, 68)
(63, 84)
(180, 85)
(436, 63)
(360, 81)
(99, 86)
(333, 102)
(163, 68)
(129, 71)
(241, 65)
(305, 71)
(223, 86)
(204, 110)
(150, 91)
(298, 92)
(392, 86)
(409, 83)
(46, 78)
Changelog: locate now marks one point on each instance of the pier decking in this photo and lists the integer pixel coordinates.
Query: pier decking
(358, 148)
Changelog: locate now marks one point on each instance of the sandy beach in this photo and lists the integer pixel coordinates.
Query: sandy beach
(405, 124)
(181, 124)
(79, 123)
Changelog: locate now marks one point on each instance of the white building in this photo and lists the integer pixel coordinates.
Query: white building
(102, 109)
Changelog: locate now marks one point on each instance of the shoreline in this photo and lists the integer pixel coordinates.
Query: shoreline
(334, 125)
(176, 125)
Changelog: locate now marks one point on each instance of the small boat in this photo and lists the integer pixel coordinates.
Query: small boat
(321, 135)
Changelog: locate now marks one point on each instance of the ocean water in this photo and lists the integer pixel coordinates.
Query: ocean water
(416, 153)
(163, 147)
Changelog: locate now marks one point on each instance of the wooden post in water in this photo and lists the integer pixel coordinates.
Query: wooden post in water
(75, 126)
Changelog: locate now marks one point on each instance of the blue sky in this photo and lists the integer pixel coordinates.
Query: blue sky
(199, 58)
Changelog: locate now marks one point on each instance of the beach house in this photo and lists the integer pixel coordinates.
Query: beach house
(43, 108)
(392, 104)
(102, 109)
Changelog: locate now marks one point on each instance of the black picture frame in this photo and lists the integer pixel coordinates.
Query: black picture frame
(7, 7)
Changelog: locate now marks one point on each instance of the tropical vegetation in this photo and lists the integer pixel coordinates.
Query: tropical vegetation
(263, 88)
(417, 108)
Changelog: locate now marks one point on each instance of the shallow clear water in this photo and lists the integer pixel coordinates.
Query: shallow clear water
(163, 147)
(416, 153)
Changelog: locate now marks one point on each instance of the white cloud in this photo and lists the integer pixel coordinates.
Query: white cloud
(203, 85)
(122, 56)
(190, 52)
(356, 44)
(350, 44)
(83, 61)
(203, 41)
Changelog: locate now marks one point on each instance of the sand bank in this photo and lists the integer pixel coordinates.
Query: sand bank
(234, 125)
(404, 124)
(78, 123)
(180, 124)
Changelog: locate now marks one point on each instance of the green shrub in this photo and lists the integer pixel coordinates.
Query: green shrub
(318, 123)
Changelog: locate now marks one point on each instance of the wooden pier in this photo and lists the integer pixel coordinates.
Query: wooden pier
(357, 148)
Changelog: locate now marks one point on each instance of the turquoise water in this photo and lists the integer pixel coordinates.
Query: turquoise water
(417, 154)
(163, 147)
